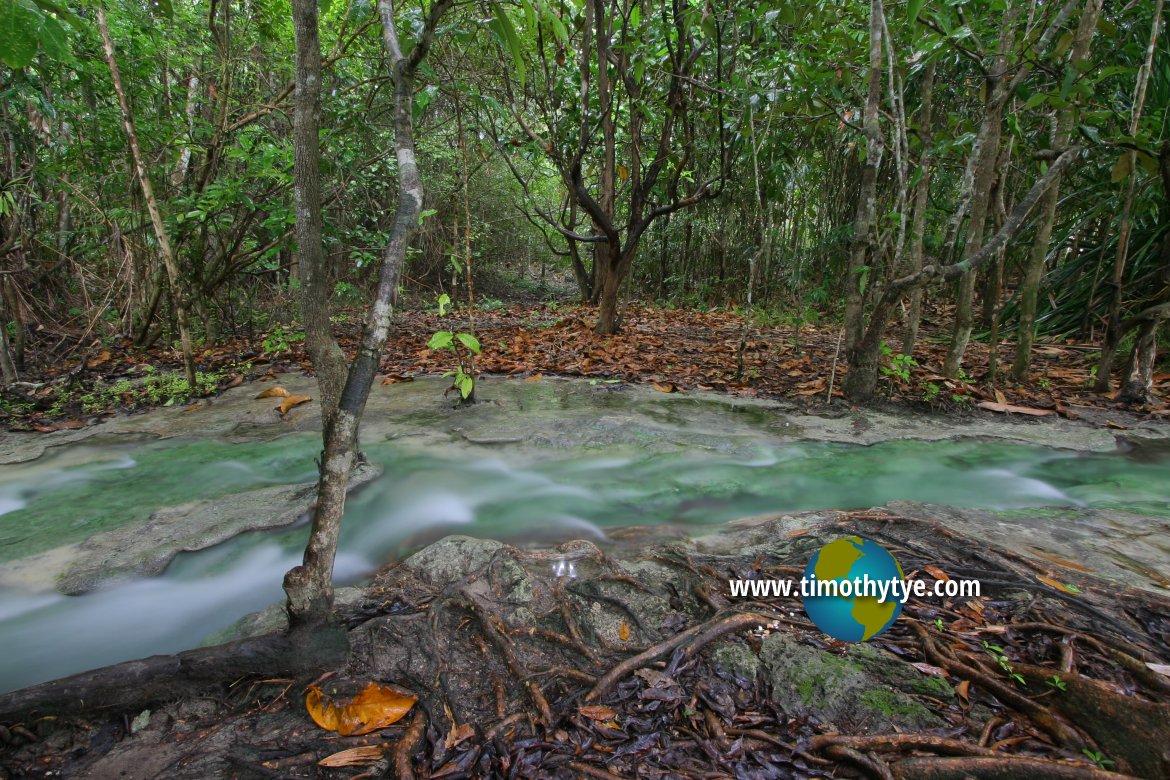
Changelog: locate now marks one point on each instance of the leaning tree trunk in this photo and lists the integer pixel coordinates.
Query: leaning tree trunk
(1030, 288)
(160, 230)
(861, 381)
(310, 586)
(316, 290)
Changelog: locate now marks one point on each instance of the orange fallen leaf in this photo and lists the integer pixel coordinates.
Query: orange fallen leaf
(1061, 561)
(274, 392)
(356, 756)
(396, 378)
(598, 712)
(964, 689)
(937, 573)
(235, 381)
(104, 357)
(291, 401)
(666, 387)
(376, 707)
(534, 378)
(1000, 397)
(1057, 584)
(1116, 426)
(991, 406)
(624, 632)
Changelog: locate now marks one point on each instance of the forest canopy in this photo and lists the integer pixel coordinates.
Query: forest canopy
(1002, 162)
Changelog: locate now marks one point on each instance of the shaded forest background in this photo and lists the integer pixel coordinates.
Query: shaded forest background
(793, 164)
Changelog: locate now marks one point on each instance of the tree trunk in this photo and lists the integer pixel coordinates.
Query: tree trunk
(160, 231)
(609, 283)
(863, 241)
(988, 151)
(1113, 332)
(1139, 385)
(861, 381)
(310, 586)
(1034, 271)
(316, 291)
(921, 206)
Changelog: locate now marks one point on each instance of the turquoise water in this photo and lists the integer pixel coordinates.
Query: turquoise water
(65, 496)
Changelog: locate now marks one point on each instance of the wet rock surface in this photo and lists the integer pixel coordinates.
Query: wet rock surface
(644, 664)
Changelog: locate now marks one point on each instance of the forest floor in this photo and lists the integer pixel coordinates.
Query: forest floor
(672, 349)
(647, 666)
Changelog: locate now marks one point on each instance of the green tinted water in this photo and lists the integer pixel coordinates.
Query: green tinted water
(67, 496)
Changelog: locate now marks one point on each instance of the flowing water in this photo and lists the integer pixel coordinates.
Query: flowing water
(61, 498)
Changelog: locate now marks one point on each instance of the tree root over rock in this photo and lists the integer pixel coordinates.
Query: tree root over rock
(643, 665)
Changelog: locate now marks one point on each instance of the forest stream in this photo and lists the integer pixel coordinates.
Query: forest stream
(537, 463)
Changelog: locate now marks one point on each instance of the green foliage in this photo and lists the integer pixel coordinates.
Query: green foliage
(464, 345)
(1097, 757)
(31, 26)
(898, 365)
(1001, 658)
(280, 339)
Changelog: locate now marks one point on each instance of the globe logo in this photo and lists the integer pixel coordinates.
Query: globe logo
(837, 597)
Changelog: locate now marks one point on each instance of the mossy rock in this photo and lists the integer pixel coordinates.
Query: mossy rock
(853, 694)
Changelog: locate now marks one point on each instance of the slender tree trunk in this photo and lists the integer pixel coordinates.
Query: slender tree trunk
(1138, 385)
(310, 586)
(921, 206)
(1034, 271)
(988, 151)
(863, 245)
(316, 291)
(7, 366)
(1113, 332)
(861, 381)
(160, 231)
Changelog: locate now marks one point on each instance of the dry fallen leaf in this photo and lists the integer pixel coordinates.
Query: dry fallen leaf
(936, 572)
(458, 735)
(1162, 669)
(1057, 584)
(935, 671)
(235, 381)
(357, 756)
(291, 401)
(598, 712)
(994, 407)
(666, 387)
(374, 708)
(624, 632)
(1000, 397)
(963, 689)
(274, 392)
(392, 379)
(1061, 561)
(534, 378)
(1116, 426)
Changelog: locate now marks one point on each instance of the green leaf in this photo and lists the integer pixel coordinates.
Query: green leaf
(1120, 168)
(20, 28)
(54, 42)
(469, 341)
(465, 384)
(443, 301)
(441, 340)
(558, 27)
(506, 32)
(426, 213)
(913, 8)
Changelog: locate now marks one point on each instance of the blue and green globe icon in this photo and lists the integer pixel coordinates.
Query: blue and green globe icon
(848, 616)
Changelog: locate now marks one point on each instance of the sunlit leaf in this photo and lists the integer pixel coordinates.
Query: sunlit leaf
(469, 341)
(441, 340)
(376, 707)
(291, 401)
(274, 392)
